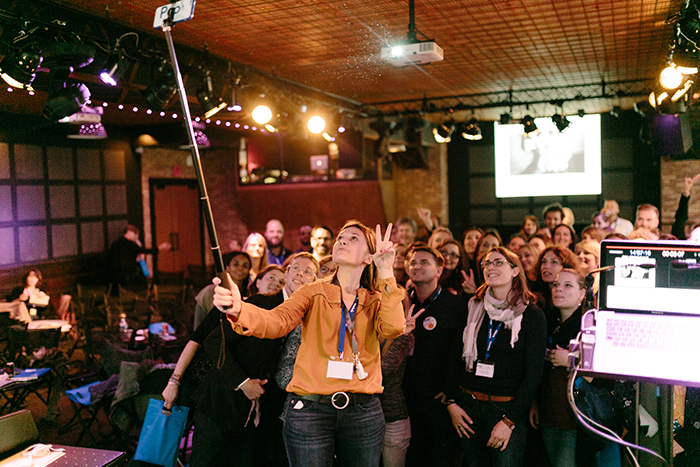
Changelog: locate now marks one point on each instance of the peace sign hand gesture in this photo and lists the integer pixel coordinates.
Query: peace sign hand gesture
(384, 257)
(411, 319)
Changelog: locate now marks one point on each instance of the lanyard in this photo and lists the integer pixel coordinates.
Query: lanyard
(347, 324)
(491, 337)
(429, 301)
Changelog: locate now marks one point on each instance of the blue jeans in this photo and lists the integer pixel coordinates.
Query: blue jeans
(314, 432)
(485, 415)
(561, 445)
(396, 441)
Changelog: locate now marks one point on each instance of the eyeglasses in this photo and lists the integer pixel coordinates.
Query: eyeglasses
(308, 272)
(497, 263)
(450, 255)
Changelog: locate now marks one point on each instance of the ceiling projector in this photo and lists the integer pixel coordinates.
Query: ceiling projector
(415, 53)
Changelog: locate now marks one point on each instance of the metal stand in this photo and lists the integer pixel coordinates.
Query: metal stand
(203, 195)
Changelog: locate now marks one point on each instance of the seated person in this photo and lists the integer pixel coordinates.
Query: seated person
(36, 300)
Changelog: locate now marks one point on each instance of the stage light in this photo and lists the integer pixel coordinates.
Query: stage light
(316, 124)
(271, 128)
(472, 131)
(328, 137)
(207, 99)
(262, 114)
(117, 66)
(159, 93)
(66, 101)
(18, 70)
(443, 132)
(670, 77)
(561, 122)
(200, 137)
(88, 131)
(528, 124)
(234, 104)
(505, 118)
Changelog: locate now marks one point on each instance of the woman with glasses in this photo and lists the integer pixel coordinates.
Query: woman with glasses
(455, 276)
(333, 407)
(498, 365)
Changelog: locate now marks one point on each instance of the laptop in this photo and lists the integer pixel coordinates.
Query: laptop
(647, 325)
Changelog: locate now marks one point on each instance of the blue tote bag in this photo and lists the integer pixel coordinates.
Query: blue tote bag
(160, 435)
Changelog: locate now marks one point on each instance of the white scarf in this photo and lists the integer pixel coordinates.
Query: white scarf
(498, 310)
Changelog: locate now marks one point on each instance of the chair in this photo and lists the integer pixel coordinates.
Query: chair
(86, 408)
(18, 432)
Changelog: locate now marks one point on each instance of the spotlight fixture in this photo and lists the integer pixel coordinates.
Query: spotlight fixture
(561, 122)
(117, 66)
(18, 70)
(235, 103)
(88, 131)
(443, 132)
(62, 58)
(316, 124)
(472, 131)
(528, 124)
(159, 93)
(505, 118)
(262, 114)
(200, 137)
(670, 77)
(207, 99)
(66, 101)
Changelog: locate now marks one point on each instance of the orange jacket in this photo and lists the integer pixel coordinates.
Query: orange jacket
(317, 306)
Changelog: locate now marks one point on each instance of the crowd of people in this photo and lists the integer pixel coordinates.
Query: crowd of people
(377, 346)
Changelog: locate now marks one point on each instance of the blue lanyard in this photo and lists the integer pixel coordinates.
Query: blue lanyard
(429, 301)
(491, 337)
(343, 323)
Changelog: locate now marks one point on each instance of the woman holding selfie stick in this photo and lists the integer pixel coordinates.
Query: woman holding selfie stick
(333, 407)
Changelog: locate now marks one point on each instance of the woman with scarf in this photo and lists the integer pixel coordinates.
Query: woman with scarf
(495, 377)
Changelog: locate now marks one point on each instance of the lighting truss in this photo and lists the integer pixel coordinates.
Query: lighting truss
(512, 98)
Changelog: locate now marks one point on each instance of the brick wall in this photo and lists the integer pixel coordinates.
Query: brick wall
(220, 176)
(425, 188)
(673, 175)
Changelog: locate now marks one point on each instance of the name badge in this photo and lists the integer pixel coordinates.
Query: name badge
(485, 369)
(340, 370)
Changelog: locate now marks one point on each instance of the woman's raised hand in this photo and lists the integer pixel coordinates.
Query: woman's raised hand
(227, 300)
(384, 257)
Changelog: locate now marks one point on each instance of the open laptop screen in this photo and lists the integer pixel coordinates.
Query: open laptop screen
(655, 277)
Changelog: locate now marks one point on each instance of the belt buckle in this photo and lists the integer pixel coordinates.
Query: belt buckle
(338, 406)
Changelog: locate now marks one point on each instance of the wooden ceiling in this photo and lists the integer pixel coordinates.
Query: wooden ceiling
(546, 49)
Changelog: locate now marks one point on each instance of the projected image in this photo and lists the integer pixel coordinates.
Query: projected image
(547, 152)
(634, 271)
(548, 162)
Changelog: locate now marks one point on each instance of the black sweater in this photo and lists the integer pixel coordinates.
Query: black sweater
(517, 370)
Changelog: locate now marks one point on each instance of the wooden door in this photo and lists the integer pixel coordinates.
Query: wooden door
(177, 219)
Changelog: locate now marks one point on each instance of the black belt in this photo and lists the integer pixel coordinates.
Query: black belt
(339, 400)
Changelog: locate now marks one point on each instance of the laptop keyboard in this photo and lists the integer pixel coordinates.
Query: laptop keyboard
(641, 334)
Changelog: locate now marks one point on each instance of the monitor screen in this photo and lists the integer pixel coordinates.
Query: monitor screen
(548, 162)
(656, 277)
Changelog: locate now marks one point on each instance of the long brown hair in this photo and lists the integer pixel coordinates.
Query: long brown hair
(369, 279)
(519, 292)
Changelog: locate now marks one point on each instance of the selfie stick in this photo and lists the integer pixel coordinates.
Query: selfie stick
(203, 195)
